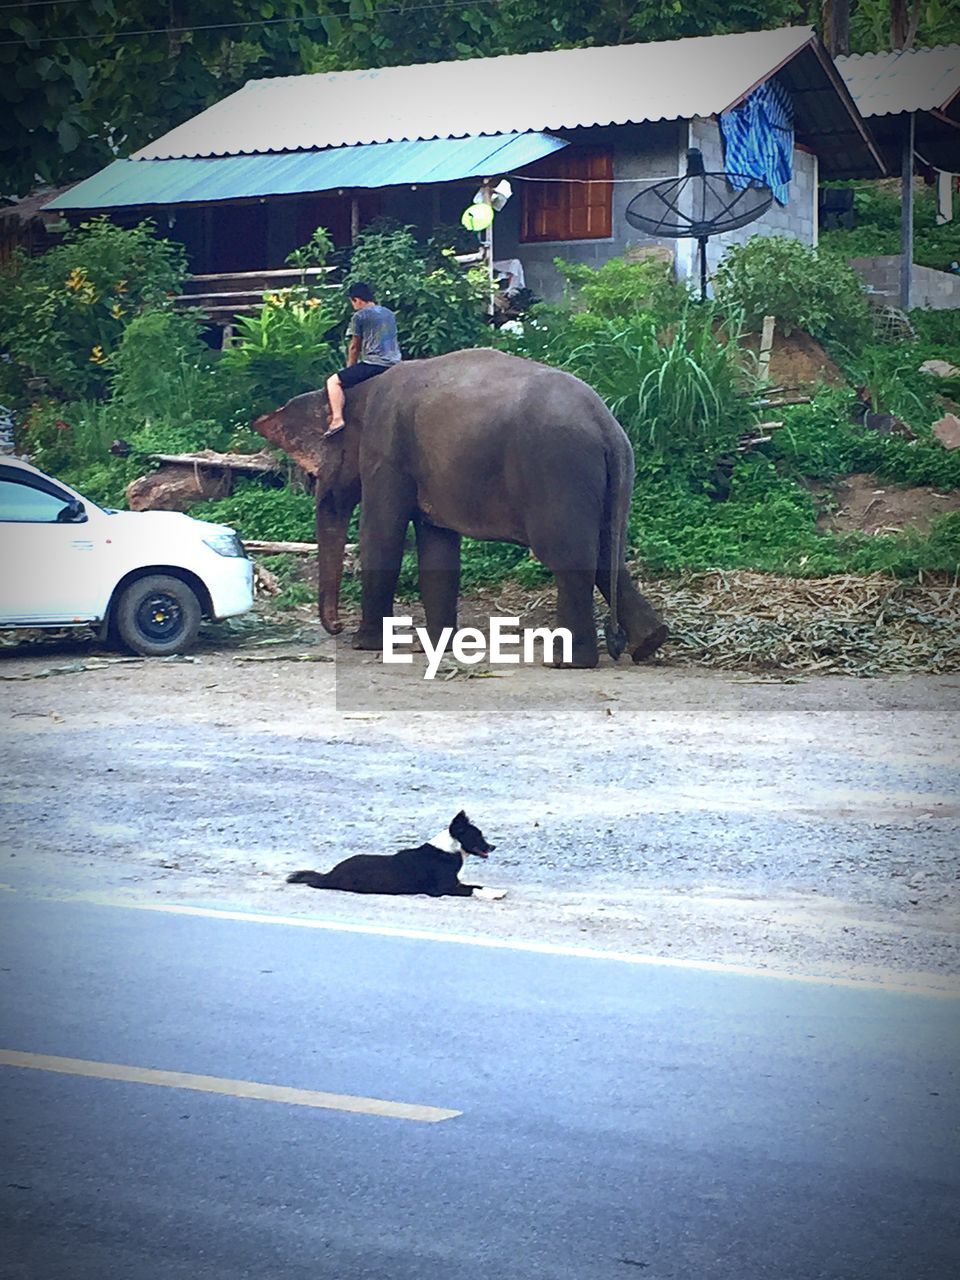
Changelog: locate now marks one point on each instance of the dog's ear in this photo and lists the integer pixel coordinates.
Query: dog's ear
(460, 817)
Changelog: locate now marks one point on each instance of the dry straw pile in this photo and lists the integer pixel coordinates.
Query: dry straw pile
(846, 625)
(739, 621)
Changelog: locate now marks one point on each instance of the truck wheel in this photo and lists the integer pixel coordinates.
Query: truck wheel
(158, 615)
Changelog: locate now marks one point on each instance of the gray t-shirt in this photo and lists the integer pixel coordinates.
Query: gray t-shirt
(376, 327)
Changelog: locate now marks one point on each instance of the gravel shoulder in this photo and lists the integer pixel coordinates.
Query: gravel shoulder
(806, 827)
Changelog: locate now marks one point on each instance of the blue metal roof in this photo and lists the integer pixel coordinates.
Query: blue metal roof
(380, 164)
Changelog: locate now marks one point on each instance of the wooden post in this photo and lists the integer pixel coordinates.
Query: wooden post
(766, 345)
(906, 213)
(488, 247)
(944, 198)
(354, 219)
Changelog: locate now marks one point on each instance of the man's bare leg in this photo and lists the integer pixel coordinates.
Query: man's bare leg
(336, 398)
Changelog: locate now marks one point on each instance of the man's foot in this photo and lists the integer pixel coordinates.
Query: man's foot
(333, 428)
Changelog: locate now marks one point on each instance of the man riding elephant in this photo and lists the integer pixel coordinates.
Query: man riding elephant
(483, 444)
(373, 349)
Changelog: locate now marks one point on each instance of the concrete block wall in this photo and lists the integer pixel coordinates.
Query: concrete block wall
(641, 153)
(938, 290)
(797, 218)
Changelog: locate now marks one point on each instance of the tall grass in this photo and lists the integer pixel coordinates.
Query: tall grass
(686, 386)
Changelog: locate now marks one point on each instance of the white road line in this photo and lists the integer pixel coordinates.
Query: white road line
(536, 948)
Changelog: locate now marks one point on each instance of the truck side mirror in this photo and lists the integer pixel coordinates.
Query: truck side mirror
(74, 512)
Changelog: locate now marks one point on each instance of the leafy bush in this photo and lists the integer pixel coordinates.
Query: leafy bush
(171, 393)
(820, 441)
(684, 391)
(891, 380)
(72, 441)
(804, 288)
(619, 288)
(939, 330)
(439, 306)
(63, 313)
(285, 349)
(47, 435)
(281, 515)
(767, 523)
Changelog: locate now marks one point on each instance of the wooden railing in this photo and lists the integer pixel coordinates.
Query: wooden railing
(227, 294)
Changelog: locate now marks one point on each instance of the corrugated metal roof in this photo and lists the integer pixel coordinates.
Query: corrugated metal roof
(562, 89)
(883, 84)
(384, 164)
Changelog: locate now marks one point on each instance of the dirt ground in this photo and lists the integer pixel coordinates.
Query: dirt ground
(808, 827)
(797, 362)
(861, 502)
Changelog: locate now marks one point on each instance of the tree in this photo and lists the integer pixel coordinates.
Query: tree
(81, 83)
(904, 21)
(876, 25)
(836, 26)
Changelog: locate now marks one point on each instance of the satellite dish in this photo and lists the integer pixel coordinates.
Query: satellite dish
(697, 206)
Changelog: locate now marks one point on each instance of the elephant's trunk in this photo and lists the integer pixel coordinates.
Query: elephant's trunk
(332, 522)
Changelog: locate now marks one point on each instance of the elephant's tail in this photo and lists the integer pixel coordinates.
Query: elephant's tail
(619, 489)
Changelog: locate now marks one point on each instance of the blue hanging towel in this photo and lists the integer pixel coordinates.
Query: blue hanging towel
(759, 141)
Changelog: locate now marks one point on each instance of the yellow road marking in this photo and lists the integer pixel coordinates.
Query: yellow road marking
(234, 1088)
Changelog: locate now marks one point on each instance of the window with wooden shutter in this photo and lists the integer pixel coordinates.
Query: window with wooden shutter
(577, 205)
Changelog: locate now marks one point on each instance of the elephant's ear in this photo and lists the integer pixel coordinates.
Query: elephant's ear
(297, 429)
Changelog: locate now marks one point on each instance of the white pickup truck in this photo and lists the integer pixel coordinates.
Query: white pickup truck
(144, 578)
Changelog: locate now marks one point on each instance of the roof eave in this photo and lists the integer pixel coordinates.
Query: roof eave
(837, 80)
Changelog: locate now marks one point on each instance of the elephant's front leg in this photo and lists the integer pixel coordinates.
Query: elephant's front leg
(384, 516)
(575, 612)
(438, 555)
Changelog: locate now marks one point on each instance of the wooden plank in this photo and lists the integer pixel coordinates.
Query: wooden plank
(287, 273)
(196, 298)
(220, 462)
(291, 548)
(240, 308)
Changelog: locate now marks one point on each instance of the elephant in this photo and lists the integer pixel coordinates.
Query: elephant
(476, 443)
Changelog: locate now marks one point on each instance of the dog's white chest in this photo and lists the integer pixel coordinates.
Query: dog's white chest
(446, 844)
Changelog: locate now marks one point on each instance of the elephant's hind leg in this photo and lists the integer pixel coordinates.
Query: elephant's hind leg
(438, 556)
(645, 628)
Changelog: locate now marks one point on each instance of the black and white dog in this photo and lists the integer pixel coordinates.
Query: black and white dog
(432, 868)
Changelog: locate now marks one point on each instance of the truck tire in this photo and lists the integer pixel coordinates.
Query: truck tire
(158, 615)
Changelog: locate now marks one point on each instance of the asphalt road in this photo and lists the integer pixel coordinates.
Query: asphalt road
(614, 1119)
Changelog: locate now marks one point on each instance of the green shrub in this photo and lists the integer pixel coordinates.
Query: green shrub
(286, 348)
(820, 441)
(105, 481)
(803, 288)
(47, 435)
(767, 523)
(891, 381)
(439, 306)
(684, 391)
(486, 563)
(280, 515)
(170, 391)
(63, 313)
(619, 288)
(939, 330)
